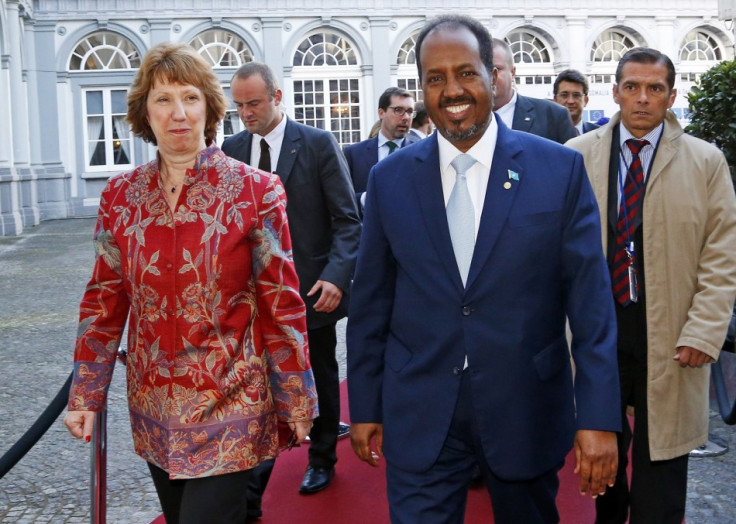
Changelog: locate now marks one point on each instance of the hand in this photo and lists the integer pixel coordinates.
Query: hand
(80, 424)
(361, 435)
(330, 297)
(596, 454)
(692, 357)
(302, 429)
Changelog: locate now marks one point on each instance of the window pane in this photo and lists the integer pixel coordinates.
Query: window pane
(119, 101)
(94, 102)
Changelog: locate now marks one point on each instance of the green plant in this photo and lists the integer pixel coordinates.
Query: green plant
(713, 109)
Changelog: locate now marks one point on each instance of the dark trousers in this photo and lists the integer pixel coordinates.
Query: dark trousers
(658, 489)
(440, 494)
(216, 500)
(323, 437)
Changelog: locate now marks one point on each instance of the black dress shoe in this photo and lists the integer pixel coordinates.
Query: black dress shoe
(316, 479)
(343, 430)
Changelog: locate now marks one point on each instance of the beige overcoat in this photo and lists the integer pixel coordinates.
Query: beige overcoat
(689, 219)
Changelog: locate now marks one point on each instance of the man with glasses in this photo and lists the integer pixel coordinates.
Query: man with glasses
(395, 110)
(571, 91)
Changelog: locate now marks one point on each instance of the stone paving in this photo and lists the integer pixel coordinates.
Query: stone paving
(42, 276)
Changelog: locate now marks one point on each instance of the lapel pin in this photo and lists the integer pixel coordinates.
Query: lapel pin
(293, 151)
(513, 175)
(507, 185)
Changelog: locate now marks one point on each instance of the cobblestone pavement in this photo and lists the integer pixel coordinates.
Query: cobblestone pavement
(42, 276)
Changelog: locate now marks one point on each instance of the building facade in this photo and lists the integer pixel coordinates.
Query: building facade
(65, 67)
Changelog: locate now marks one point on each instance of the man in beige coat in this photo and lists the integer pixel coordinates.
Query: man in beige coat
(671, 247)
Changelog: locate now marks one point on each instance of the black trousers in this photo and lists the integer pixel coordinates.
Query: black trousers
(207, 500)
(323, 437)
(658, 489)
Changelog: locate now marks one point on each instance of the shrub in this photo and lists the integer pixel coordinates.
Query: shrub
(713, 109)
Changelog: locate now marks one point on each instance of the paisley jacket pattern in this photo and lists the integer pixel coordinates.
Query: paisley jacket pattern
(217, 348)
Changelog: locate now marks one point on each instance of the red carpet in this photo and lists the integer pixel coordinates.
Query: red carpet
(357, 494)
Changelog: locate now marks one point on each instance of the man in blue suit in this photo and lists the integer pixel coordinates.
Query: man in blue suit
(325, 231)
(523, 113)
(571, 91)
(395, 110)
(456, 344)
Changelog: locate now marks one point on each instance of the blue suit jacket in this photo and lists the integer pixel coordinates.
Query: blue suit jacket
(323, 216)
(589, 126)
(361, 157)
(538, 260)
(543, 118)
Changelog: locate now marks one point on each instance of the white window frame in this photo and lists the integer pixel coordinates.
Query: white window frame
(107, 122)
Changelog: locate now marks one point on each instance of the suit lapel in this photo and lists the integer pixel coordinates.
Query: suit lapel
(500, 195)
(428, 185)
(523, 114)
(289, 149)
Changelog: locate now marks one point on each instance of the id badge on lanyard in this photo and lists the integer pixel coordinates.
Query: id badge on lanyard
(633, 274)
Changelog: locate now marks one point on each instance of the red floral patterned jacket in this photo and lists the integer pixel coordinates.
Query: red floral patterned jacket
(217, 346)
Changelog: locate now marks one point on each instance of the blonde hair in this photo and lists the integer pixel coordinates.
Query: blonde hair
(180, 64)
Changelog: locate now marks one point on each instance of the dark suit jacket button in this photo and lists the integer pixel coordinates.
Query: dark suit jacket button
(466, 311)
(456, 371)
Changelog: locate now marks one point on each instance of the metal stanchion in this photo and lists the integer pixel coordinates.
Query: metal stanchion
(98, 480)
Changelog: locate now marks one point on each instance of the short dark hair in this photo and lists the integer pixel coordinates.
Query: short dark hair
(258, 68)
(647, 55)
(385, 99)
(420, 115)
(455, 22)
(179, 64)
(498, 43)
(571, 75)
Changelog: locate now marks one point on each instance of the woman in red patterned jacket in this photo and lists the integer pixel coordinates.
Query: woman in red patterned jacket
(193, 250)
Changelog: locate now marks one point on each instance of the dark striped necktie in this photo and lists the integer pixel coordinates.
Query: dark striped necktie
(628, 220)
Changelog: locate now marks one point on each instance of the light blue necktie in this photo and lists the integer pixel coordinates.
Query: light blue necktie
(461, 216)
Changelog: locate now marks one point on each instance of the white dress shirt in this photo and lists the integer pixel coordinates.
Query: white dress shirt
(274, 139)
(506, 113)
(477, 176)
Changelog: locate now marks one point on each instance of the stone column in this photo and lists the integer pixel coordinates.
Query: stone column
(10, 221)
(666, 37)
(53, 183)
(26, 180)
(381, 60)
(577, 44)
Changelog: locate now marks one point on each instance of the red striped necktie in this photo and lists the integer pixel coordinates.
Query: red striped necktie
(628, 220)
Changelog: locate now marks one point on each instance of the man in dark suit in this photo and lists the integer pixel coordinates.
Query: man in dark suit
(466, 275)
(421, 124)
(571, 91)
(325, 231)
(395, 110)
(523, 113)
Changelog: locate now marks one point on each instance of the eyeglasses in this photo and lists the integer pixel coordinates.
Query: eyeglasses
(575, 96)
(400, 111)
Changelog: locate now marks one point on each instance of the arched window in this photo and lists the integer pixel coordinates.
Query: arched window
(326, 77)
(108, 142)
(104, 50)
(610, 46)
(699, 51)
(532, 57)
(606, 51)
(224, 49)
(221, 48)
(407, 66)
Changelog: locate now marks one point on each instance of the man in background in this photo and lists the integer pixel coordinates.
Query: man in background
(571, 91)
(325, 231)
(396, 111)
(533, 115)
(668, 217)
(421, 125)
